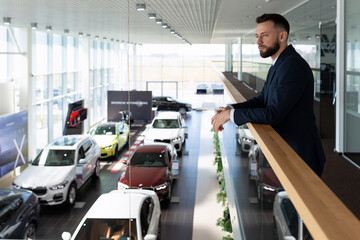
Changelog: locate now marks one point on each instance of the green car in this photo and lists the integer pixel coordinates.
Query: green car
(111, 137)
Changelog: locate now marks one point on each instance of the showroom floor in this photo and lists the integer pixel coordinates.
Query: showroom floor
(193, 210)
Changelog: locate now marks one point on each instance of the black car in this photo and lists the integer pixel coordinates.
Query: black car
(18, 214)
(170, 104)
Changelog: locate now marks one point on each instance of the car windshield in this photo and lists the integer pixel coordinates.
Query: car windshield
(166, 123)
(148, 159)
(55, 157)
(104, 130)
(107, 229)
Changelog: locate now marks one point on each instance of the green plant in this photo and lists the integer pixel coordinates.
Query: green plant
(225, 222)
(221, 196)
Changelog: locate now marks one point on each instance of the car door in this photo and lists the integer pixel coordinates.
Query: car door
(88, 165)
(121, 134)
(182, 128)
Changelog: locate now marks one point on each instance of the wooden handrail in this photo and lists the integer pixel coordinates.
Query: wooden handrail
(323, 213)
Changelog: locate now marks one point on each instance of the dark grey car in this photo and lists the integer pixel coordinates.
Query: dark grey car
(170, 104)
(19, 210)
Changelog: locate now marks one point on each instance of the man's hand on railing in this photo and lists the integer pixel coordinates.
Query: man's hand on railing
(221, 117)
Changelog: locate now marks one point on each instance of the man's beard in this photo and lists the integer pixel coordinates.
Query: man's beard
(270, 50)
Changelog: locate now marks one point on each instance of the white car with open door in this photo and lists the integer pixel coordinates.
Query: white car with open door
(60, 169)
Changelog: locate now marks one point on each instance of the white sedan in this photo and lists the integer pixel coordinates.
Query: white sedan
(167, 127)
(121, 214)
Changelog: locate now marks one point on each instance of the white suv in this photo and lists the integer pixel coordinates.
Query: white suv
(60, 169)
(167, 127)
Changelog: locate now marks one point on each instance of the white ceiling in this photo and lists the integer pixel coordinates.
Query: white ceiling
(198, 21)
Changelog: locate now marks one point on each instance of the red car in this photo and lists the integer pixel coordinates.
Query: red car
(149, 167)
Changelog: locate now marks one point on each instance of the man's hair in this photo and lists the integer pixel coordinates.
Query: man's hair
(279, 21)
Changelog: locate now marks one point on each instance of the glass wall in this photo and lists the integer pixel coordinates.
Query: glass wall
(101, 78)
(179, 66)
(352, 80)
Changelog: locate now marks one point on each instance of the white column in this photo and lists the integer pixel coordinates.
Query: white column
(85, 68)
(134, 83)
(116, 65)
(240, 59)
(228, 57)
(340, 76)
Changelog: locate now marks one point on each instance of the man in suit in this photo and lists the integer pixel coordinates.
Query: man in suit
(286, 100)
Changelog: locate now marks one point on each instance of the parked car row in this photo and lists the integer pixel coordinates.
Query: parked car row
(65, 164)
(269, 189)
(204, 88)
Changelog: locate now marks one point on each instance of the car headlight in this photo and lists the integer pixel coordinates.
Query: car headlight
(269, 188)
(13, 185)
(110, 146)
(176, 139)
(188, 105)
(59, 186)
(122, 186)
(247, 140)
(161, 187)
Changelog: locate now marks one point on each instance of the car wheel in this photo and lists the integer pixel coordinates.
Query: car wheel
(158, 237)
(97, 169)
(30, 231)
(168, 197)
(116, 151)
(182, 110)
(71, 196)
(275, 231)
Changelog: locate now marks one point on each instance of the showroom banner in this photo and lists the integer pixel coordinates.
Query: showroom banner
(13, 141)
(139, 104)
(74, 119)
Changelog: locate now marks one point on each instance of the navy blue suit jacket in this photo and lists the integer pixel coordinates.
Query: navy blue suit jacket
(286, 102)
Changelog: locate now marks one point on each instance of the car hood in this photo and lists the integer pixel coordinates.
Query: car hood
(270, 178)
(145, 176)
(104, 140)
(37, 176)
(159, 133)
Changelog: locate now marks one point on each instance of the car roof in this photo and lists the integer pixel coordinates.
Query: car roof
(167, 115)
(151, 147)
(67, 142)
(119, 204)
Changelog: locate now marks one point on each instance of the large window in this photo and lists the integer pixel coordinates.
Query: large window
(352, 79)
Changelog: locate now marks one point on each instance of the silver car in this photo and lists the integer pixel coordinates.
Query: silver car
(245, 138)
(61, 168)
(286, 220)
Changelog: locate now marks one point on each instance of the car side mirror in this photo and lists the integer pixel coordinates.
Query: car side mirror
(150, 237)
(82, 161)
(66, 236)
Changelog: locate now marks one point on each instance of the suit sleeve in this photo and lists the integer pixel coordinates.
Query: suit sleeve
(291, 79)
(256, 102)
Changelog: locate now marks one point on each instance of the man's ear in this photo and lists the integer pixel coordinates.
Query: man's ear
(283, 36)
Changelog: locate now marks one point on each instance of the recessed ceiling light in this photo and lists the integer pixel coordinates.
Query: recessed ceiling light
(158, 20)
(140, 6)
(48, 28)
(33, 26)
(66, 31)
(152, 15)
(7, 20)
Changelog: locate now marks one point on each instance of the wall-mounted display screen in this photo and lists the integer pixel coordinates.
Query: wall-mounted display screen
(13, 141)
(139, 104)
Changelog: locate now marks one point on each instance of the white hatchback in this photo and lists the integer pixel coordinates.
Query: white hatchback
(60, 169)
(167, 127)
(121, 214)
